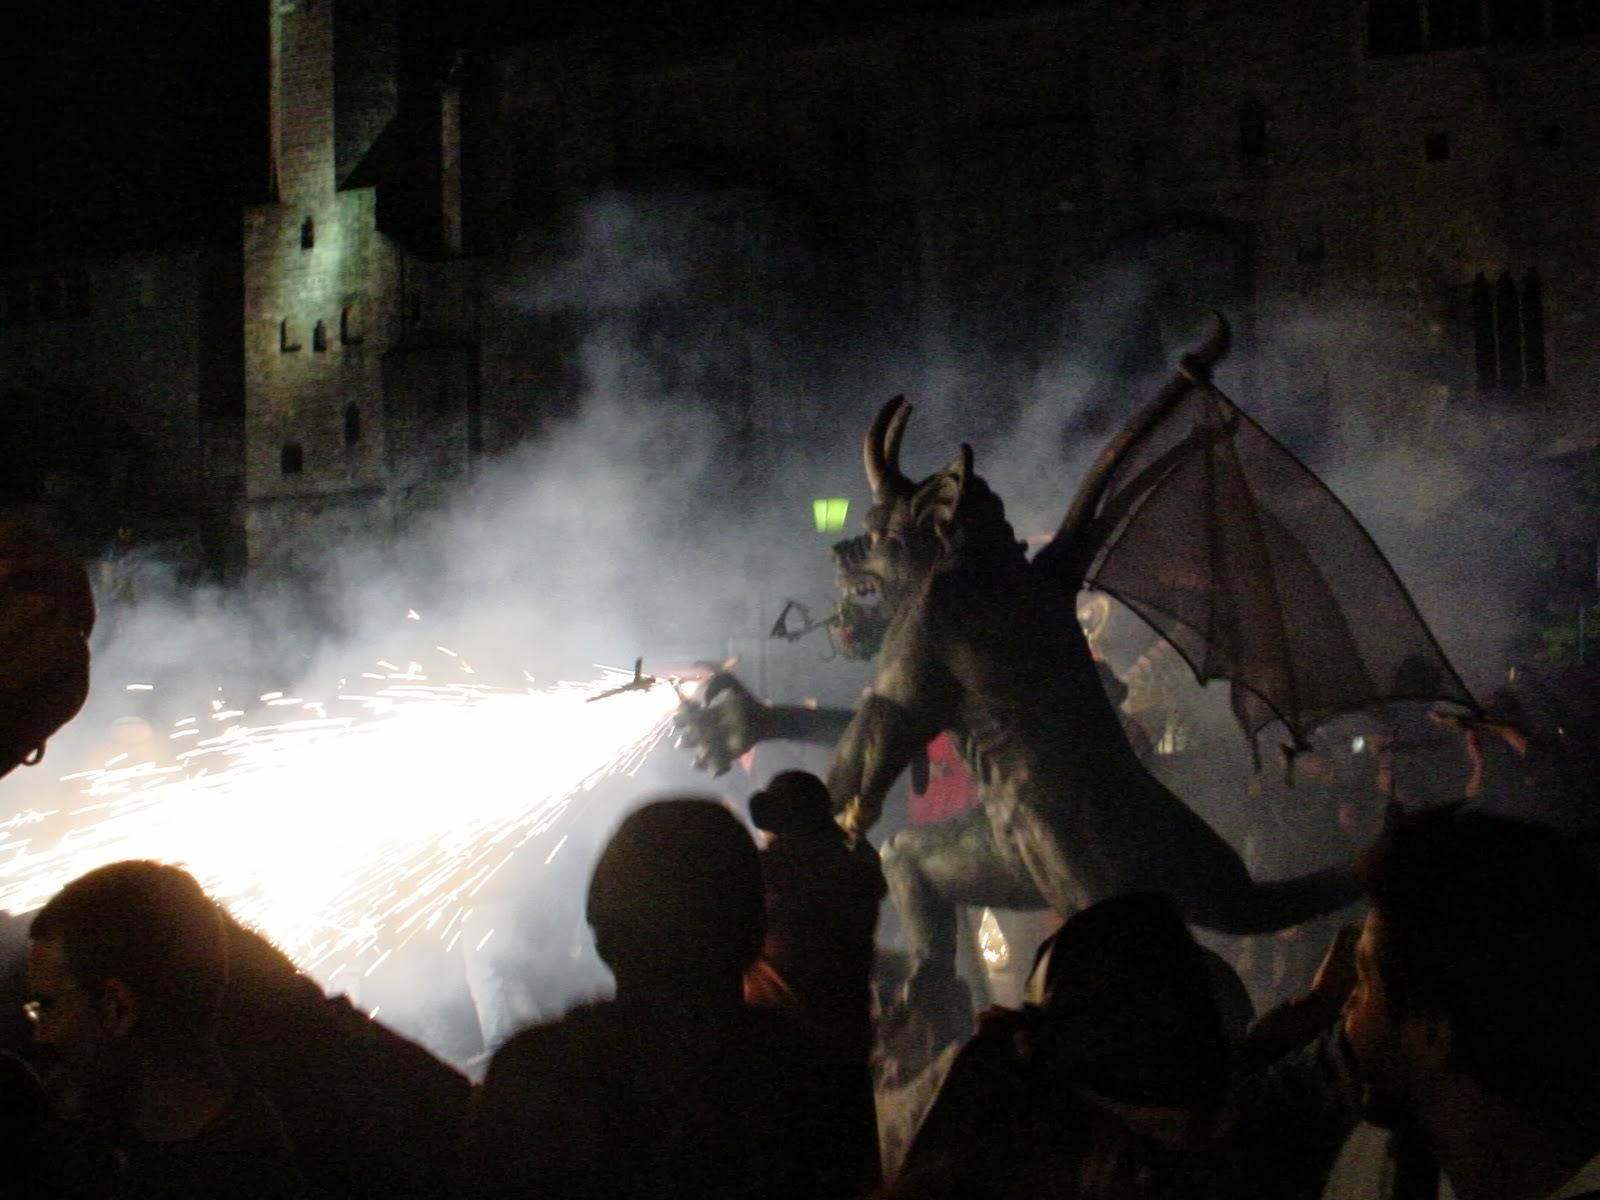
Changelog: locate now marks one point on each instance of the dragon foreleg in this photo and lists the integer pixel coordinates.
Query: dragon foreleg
(881, 742)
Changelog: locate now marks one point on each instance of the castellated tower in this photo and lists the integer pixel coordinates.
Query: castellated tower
(320, 284)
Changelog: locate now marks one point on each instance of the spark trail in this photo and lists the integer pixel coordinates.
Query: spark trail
(345, 828)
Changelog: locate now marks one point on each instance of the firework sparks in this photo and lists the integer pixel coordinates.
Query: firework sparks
(343, 829)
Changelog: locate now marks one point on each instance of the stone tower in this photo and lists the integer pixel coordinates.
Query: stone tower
(320, 307)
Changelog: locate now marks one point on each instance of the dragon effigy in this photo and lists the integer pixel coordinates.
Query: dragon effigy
(1203, 525)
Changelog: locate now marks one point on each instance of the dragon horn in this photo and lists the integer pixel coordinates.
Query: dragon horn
(880, 453)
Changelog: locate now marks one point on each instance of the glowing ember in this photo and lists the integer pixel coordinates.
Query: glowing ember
(992, 942)
(348, 827)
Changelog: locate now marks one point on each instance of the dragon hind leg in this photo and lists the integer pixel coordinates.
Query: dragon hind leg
(931, 869)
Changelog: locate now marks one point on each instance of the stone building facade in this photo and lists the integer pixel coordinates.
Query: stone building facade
(120, 398)
(1402, 232)
(319, 314)
(1388, 197)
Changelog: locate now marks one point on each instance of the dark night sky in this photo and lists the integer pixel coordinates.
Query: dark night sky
(129, 124)
(114, 102)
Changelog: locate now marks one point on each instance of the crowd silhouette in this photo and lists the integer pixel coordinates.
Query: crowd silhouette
(1447, 1047)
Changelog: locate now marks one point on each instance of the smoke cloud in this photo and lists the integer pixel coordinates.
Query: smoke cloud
(648, 523)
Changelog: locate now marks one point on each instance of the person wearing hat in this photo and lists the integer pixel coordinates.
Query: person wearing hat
(822, 895)
(1111, 1081)
(676, 1087)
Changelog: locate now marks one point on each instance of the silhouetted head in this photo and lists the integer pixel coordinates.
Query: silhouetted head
(1126, 1005)
(46, 616)
(131, 952)
(1480, 958)
(677, 896)
(793, 802)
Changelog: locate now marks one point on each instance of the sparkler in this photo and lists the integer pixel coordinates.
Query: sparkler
(343, 829)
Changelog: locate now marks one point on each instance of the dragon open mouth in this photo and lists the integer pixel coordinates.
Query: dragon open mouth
(854, 579)
(861, 615)
(861, 587)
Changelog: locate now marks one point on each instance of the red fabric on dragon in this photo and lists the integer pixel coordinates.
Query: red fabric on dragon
(951, 788)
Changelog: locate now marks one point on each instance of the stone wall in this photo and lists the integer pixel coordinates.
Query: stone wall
(121, 383)
(943, 207)
(320, 310)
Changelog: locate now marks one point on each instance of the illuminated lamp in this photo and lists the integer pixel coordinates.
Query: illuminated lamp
(829, 514)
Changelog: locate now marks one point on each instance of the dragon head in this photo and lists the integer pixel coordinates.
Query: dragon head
(914, 531)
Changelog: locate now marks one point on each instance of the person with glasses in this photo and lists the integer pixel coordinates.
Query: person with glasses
(126, 970)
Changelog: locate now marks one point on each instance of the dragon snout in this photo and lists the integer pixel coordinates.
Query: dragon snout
(851, 553)
(851, 560)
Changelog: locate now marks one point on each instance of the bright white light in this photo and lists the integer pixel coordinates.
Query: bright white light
(350, 826)
(992, 942)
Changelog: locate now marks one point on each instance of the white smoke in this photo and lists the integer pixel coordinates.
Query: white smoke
(640, 525)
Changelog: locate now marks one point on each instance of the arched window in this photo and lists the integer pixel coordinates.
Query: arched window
(308, 234)
(350, 332)
(1533, 362)
(1508, 331)
(288, 335)
(1483, 334)
(319, 336)
(352, 426)
(291, 459)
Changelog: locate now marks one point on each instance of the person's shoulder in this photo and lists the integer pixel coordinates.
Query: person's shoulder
(252, 1110)
(254, 1128)
(246, 1153)
(771, 1039)
(535, 1042)
(587, 1015)
(779, 1046)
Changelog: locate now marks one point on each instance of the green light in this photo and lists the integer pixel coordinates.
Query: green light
(829, 514)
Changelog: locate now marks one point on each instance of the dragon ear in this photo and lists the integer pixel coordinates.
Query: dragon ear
(937, 503)
(960, 470)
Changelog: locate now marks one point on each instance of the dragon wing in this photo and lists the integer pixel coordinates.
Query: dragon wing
(1239, 556)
